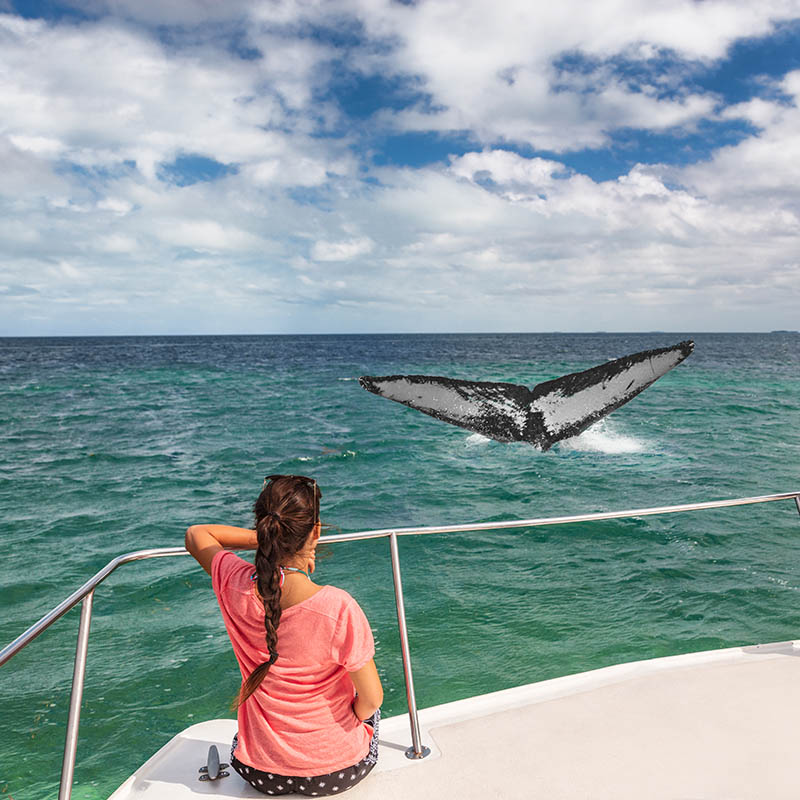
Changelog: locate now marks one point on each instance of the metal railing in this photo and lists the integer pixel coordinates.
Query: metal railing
(85, 594)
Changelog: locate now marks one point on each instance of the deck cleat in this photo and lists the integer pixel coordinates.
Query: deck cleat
(213, 769)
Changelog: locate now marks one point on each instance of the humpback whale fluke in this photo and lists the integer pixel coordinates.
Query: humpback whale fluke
(551, 411)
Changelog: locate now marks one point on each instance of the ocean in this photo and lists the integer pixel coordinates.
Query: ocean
(109, 445)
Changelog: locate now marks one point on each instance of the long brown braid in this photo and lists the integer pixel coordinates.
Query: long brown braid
(285, 514)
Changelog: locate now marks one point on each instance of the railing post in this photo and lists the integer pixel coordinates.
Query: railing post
(71, 743)
(417, 749)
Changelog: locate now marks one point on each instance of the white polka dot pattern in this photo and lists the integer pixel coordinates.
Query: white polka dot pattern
(311, 786)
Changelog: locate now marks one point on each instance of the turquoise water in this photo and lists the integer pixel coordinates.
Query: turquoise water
(111, 445)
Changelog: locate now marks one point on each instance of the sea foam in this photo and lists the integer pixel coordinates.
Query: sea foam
(602, 438)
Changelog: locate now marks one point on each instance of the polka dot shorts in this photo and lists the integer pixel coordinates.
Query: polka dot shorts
(315, 785)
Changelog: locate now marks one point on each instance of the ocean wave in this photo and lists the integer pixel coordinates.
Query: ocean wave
(329, 453)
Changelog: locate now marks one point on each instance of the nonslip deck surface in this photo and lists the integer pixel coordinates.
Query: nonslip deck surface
(717, 725)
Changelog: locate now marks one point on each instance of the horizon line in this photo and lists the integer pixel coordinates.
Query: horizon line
(681, 332)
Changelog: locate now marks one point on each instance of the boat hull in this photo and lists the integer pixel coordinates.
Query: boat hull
(716, 724)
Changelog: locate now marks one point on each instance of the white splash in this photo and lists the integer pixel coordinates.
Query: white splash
(600, 438)
(476, 439)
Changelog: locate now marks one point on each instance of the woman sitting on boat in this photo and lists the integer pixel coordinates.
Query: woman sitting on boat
(308, 706)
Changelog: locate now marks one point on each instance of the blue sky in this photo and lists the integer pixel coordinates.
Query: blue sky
(373, 165)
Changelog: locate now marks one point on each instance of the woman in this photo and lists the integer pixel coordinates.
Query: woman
(308, 706)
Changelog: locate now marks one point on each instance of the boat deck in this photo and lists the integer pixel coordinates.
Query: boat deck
(719, 724)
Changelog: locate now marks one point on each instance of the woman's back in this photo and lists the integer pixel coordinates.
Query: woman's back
(305, 652)
(300, 720)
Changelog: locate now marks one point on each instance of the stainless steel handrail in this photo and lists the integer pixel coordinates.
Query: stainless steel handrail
(417, 750)
(65, 605)
(540, 521)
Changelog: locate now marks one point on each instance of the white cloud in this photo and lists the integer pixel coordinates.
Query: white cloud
(341, 251)
(116, 205)
(38, 145)
(505, 167)
(490, 239)
(491, 72)
(528, 112)
(99, 94)
(296, 170)
(206, 235)
(763, 171)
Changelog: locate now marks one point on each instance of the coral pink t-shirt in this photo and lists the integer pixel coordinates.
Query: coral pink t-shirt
(300, 720)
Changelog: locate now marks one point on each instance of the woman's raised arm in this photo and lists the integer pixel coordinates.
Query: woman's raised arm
(205, 541)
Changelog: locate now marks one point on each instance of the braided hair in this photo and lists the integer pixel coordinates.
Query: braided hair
(285, 514)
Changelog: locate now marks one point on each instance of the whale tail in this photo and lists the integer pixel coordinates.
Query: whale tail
(552, 411)
(570, 404)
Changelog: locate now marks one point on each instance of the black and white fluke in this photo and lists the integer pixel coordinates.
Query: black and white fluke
(550, 412)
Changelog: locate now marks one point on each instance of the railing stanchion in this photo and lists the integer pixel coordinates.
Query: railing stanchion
(797, 502)
(71, 743)
(417, 749)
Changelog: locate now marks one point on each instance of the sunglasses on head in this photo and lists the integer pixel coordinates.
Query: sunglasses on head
(302, 478)
(310, 482)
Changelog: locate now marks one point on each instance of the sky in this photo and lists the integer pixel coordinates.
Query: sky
(371, 166)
